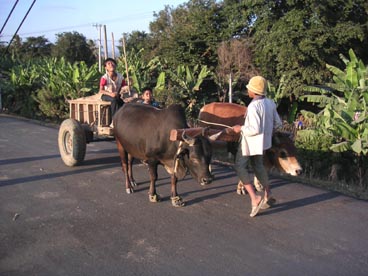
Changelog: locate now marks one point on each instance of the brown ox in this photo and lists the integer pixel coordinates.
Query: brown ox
(142, 131)
(282, 154)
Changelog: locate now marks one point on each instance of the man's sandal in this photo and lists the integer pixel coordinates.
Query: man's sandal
(255, 209)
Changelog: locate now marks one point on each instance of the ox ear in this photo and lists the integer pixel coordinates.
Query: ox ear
(187, 139)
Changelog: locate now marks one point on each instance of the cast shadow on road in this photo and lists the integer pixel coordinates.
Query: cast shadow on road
(102, 163)
(216, 190)
(212, 190)
(221, 173)
(27, 159)
(298, 203)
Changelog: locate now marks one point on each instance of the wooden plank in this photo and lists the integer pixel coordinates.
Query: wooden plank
(176, 134)
(94, 99)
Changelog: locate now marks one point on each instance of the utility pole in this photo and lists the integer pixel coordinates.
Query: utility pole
(126, 63)
(113, 46)
(98, 26)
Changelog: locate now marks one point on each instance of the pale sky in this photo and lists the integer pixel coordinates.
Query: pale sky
(49, 17)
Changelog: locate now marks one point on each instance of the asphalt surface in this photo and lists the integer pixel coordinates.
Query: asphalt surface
(58, 220)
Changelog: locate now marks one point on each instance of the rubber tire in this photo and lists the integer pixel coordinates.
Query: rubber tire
(88, 133)
(72, 142)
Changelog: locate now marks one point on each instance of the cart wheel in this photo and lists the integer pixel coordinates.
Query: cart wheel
(72, 142)
(88, 133)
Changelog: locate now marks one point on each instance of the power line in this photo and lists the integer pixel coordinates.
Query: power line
(6, 21)
(20, 25)
(138, 16)
(53, 30)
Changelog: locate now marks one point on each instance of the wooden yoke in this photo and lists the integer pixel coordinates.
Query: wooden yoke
(227, 134)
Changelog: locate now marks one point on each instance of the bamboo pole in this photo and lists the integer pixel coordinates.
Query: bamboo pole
(126, 64)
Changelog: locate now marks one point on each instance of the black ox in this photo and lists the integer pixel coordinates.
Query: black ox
(143, 132)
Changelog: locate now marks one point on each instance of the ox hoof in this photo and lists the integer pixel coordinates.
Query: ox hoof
(177, 201)
(240, 189)
(154, 198)
(134, 184)
(259, 187)
(129, 191)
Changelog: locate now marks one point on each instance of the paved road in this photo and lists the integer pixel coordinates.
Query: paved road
(56, 220)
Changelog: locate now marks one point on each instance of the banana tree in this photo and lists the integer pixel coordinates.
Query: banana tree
(280, 92)
(344, 102)
(63, 81)
(186, 85)
(20, 82)
(143, 74)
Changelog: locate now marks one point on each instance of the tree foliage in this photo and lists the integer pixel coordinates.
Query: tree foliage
(30, 48)
(344, 101)
(345, 113)
(186, 82)
(73, 46)
(18, 86)
(189, 34)
(296, 38)
(138, 42)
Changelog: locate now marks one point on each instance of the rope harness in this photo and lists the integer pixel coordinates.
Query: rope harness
(176, 157)
(215, 124)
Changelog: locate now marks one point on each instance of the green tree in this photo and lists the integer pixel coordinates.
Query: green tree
(138, 42)
(189, 34)
(36, 47)
(30, 48)
(296, 38)
(74, 47)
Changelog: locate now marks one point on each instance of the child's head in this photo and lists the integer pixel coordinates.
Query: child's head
(147, 95)
(110, 64)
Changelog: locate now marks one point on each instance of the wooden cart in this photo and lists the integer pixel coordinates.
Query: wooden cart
(89, 121)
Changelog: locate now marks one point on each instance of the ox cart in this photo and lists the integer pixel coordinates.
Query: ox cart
(90, 118)
(89, 122)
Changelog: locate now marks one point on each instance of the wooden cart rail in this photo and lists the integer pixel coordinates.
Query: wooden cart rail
(92, 111)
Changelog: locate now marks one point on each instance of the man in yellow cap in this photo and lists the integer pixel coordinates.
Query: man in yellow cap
(260, 121)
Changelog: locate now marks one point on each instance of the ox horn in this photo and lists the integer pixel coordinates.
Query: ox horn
(188, 139)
